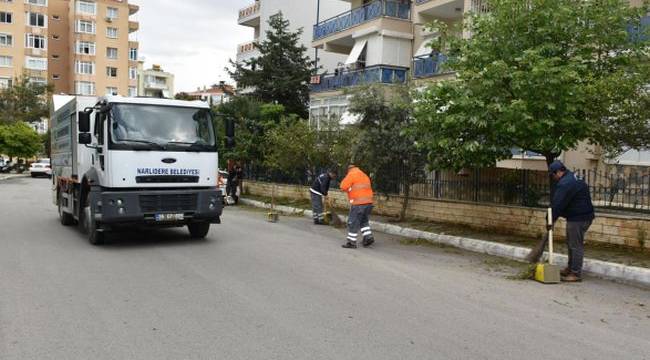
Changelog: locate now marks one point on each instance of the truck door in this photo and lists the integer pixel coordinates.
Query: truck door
(99, 157)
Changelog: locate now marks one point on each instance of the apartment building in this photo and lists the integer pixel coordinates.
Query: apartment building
(80, 46)
(155, 82)
(386, 41)
(301, 14)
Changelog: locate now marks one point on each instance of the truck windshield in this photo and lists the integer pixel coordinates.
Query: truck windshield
(164, 127)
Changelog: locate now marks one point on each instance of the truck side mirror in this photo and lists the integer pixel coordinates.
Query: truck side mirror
(84, 122)
(85, 138)
(230, 133)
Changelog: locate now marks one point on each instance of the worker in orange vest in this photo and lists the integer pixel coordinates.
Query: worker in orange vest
(357, 185)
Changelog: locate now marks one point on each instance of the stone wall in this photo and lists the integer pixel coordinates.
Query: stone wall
(632, 231)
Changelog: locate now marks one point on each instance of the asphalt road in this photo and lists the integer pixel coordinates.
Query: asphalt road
(256, 290)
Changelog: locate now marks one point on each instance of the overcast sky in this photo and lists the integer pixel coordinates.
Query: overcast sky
(193, 39)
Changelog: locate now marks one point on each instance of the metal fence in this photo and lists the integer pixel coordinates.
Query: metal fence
(625, 191)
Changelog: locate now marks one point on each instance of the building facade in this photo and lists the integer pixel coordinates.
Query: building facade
(155, 82)
(301, 14)
(80, 46)
(214, 95)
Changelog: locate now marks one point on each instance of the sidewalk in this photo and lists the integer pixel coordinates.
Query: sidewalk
(608, 261)
(11, 176)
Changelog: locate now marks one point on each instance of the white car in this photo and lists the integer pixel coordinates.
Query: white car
(41, 167)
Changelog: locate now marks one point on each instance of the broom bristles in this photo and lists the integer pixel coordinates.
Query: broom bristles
(536, 253)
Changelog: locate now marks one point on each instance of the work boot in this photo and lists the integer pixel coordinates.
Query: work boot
(367, 241)
(349, 245)
(318, 222)
(571, 277)
(565, 272)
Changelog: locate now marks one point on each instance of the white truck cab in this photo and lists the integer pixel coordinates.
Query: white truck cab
(120, 161)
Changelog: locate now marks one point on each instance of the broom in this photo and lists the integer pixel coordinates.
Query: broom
(331, 218)
(536, 253)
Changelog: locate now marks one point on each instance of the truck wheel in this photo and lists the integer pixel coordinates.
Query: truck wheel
(198, 230)
(65, 218)
(90, 227)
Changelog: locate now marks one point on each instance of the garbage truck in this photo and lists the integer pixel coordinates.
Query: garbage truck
(121, 162)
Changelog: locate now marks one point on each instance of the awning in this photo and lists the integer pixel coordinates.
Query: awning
(425, 48)
(356, 52)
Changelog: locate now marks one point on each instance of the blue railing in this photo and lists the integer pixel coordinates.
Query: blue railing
(420, 2)
(385, 74)
(428, 65)
(378, 8)
(640, 33)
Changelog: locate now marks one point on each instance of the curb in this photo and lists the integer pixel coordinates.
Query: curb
(599, 268)
(11, 176)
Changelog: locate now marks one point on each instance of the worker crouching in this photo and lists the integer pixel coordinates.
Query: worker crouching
(358, 187)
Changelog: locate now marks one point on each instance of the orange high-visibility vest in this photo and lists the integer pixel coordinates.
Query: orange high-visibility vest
(357, 184)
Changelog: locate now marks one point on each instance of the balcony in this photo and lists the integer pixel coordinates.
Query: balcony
(384, 74)
(428, 65)
(361, 15)
(133, 26)
(246, 48)
(155, 85)
(250, 15)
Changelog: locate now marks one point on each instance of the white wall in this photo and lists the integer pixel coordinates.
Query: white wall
(302, 14)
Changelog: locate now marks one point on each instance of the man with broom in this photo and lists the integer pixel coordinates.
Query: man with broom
(357, 185)
(572, 201)
(319, 190)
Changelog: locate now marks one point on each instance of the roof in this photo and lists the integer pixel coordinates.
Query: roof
(227, 89)
(156, 101)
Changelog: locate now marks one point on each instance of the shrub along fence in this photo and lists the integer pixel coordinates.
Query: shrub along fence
(629, 192)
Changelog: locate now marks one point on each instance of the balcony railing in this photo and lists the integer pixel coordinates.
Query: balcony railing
(428, 65)
(420, 2)
(385, 74)
(249, 10)
(246, 48)
(360, 15)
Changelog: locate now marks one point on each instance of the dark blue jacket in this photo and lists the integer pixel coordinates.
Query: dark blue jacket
(321, 185)
(572, 200)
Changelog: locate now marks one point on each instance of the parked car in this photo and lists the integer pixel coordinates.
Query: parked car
(41, 167)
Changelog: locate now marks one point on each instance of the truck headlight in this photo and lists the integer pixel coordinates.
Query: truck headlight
(119, 202)
(121, 211)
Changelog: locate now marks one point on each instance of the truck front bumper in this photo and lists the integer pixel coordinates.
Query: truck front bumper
(152, 206)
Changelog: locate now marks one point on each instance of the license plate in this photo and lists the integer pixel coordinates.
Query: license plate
(169, 217)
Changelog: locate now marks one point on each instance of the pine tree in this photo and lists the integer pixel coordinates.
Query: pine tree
(281, 73)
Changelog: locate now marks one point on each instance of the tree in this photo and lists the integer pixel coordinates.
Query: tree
(281, 73)
(292, 149)
(25, 101)
(384, 147)
(183, 96)
(19, 140)
(542, 76)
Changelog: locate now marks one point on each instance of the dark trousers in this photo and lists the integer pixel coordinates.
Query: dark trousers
(359, 220)
(575, 238)
(317, 206)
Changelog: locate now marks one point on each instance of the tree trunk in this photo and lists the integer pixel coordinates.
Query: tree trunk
(405, 203)
(550, 157)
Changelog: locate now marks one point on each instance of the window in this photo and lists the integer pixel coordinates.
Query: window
(111, 32)
(35, 63)
(35, 41)
(36, 2)
(111, 53)
(84, 26)
(6, 61)
(111, 71)
(86, 47)
(6, 40)
(111, 13)
(55, 56)
(133, 54)
(5, 83)
(86, 7)
(133, 73)
(133, 91)
(84, 88)
(36, 19)
(6, 17)
(56, 76)
(85, 67)
(111, 90)
(38, 80)
(56, 17)
(55, 37)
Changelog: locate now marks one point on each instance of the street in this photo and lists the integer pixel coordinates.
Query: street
(256, 290)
